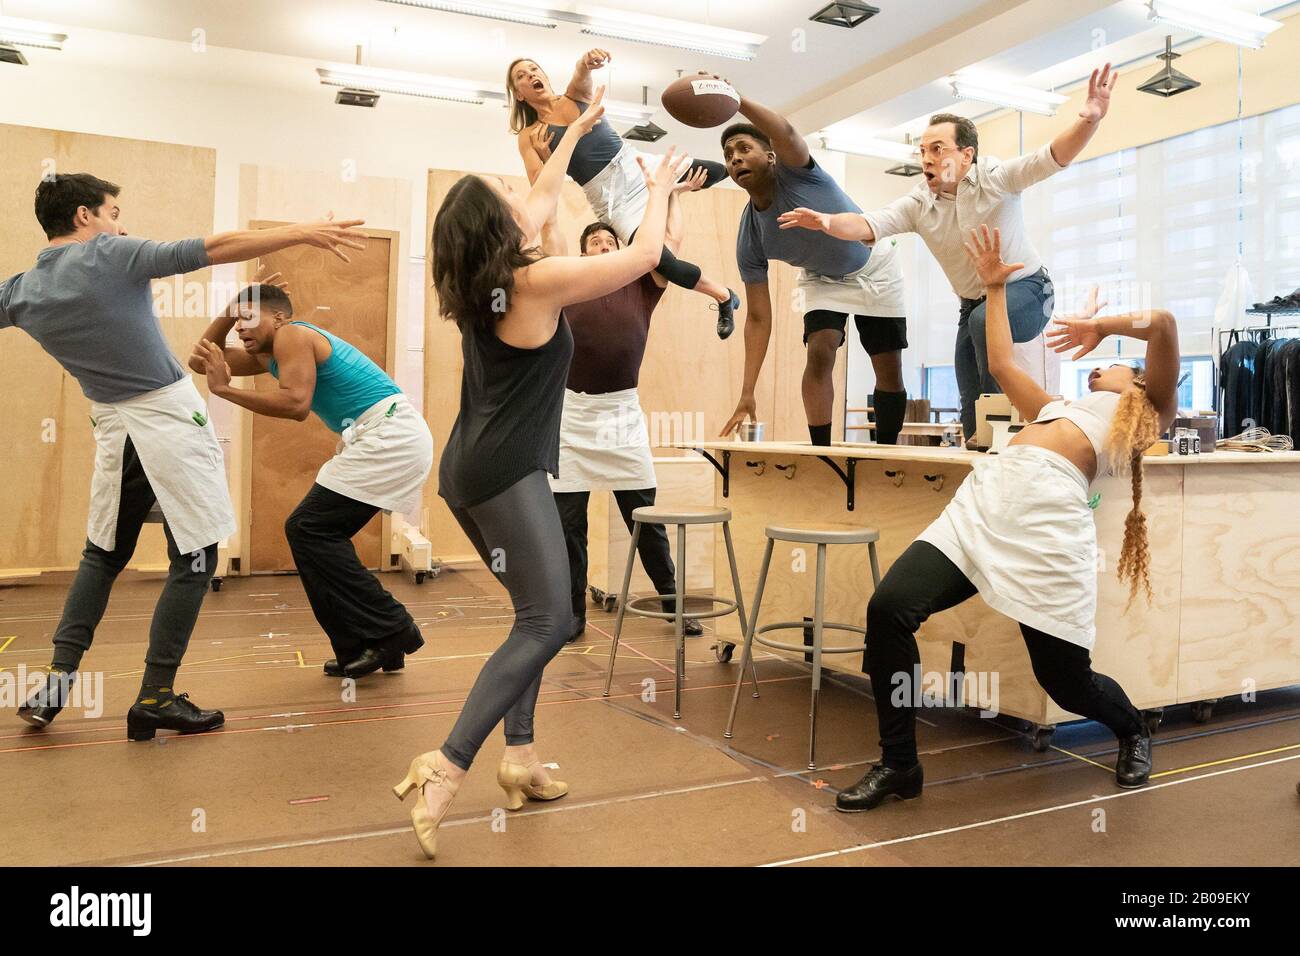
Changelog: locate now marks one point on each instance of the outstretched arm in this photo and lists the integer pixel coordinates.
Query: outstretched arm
(791, 149)
(544, 197)
(1069, 144)
(1157, 328)
(758, 333)
(248, 244)
(985, 252)
(581, 86)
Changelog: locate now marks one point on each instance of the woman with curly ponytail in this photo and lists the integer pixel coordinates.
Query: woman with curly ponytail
(1019, 532)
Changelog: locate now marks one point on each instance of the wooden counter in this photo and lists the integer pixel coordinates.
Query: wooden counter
(1225, 553)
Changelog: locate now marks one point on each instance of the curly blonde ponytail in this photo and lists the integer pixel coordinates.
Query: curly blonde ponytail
(1135, 429)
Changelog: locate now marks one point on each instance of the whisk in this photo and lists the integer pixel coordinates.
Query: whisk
(1256, 439)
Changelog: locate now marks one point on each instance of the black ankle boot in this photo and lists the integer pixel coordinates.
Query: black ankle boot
(46, 702)
(1133, 765)
(176, 713)
(388, 654)
(726, 315)
(880, 783)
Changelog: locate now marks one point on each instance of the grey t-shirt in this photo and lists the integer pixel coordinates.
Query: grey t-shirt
(90, 306)
(761, 237)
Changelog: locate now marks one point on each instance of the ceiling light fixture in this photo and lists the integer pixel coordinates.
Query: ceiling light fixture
(845, 13)
(1214, 20)
(697, 41)
(406, 84)
(508, 12)
(21, 36)
(1169, 82)
(999, 93)
(903, 154)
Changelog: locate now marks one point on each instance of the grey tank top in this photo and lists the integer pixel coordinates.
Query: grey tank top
(594, 151)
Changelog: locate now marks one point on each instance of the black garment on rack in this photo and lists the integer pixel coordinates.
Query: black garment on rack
(1237, 379)
(1288, 383)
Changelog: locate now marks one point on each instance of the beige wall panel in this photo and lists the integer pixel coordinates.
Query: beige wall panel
(167, 193)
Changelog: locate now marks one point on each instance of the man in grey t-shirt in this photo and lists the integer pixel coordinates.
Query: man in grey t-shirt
(87, 301)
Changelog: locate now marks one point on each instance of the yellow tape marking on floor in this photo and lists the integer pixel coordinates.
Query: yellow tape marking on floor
(1216, 763)
(1081, 757)
(8, 639)
(301, 662)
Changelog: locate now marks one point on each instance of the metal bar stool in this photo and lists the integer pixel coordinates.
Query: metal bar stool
(867, 536)
(680, 517)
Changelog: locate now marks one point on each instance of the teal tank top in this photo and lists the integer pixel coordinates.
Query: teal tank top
(347, 383)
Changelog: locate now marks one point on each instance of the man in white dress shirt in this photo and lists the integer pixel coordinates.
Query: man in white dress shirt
(962, 191)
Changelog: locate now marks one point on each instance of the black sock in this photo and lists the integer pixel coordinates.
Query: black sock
(820, 434)
(155, 696)
(891, 409)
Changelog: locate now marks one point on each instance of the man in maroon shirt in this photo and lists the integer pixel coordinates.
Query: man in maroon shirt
(603, 439)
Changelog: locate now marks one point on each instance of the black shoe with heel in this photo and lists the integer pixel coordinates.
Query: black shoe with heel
(726, 316)
(879, 784)
(388, 654)
(143, 721)
(1133, 765)
(50, 698)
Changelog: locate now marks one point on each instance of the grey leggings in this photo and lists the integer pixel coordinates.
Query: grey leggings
(518, 535)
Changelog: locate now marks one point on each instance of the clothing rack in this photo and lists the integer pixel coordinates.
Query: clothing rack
(1245, 331)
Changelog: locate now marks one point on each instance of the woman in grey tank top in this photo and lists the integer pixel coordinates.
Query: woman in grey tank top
(603, 165)
(507, 297)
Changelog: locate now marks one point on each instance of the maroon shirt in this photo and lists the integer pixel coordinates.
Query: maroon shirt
(609, 337)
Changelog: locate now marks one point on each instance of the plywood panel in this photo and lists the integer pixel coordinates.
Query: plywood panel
(355, 301)
(690, 381)
(1241, 580)
(167, 193)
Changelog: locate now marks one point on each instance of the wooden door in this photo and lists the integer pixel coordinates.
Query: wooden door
(355, 301)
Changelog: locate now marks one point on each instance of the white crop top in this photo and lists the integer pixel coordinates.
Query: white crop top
(1093, 414)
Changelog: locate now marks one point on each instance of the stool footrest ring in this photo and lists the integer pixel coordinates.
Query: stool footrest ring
(728, 607)
(804, 648)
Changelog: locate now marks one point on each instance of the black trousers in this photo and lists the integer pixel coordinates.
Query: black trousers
(350, 604)
(178, 606)
(652, 546)
(923, 582)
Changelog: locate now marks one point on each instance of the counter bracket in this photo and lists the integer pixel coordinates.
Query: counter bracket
(724, 469)
(846, 476)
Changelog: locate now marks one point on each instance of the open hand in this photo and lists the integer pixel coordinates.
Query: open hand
(689, 184)
(335, 236)
(1100, 86)
(745, 408)
(664, 176)
(540, 138)
(985, 253)
(1069, 332)
(217, 369)
(803, 218)
(264, 276)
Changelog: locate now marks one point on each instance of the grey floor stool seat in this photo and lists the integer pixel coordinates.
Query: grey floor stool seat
(682, 518)
(823, 539)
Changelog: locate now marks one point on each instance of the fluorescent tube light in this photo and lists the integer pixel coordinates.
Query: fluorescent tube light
(999, 93)
(869, 146)
(21, 36)
(694, 42)
(1214, 20)
(406, 84)
(510, 13)
(633, 113)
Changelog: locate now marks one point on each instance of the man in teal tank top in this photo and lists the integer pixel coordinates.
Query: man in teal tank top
(383, 459)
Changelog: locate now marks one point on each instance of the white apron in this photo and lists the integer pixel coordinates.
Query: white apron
(177, 445)
(383, 458)
(618, 193)
(604, 443)
(876, 289)
(1021, 530)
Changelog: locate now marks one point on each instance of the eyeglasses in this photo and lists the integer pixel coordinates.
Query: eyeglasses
(935, 150)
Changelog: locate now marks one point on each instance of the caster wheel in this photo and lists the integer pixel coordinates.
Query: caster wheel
(1154, 718)
(216, 584)
(1042, 738)
(419, 576)
(723, 652)
(1202, 711)
(597, 597)
(610, 603)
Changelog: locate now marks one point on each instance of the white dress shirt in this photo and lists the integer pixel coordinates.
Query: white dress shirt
(988, 195)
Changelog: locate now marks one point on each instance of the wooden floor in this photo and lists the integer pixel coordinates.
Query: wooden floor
(299, 776)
